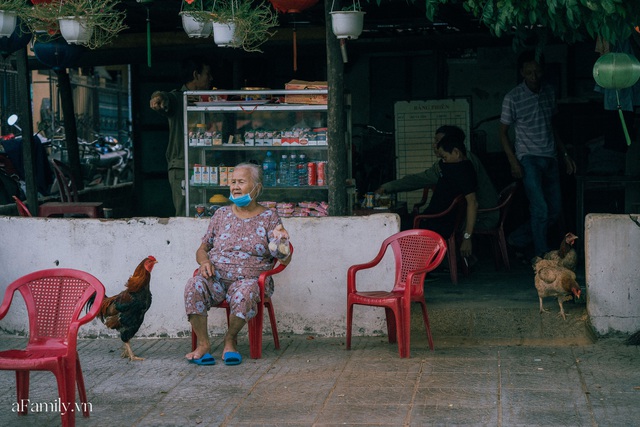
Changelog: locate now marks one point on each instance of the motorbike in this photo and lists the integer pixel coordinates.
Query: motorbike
(12, 159)
(104, 161)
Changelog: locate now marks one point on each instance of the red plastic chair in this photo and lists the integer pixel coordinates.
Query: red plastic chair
(23, 210)
(54, 299)
(69, 200)
(255, 323)
(423, 201)
(458, 208)
(496, 234)
(416, 252)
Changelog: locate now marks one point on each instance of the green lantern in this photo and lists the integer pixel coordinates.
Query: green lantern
(616, 71)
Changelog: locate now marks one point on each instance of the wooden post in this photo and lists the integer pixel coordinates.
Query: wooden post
(337, 151)
(26, 119)
(70, 130)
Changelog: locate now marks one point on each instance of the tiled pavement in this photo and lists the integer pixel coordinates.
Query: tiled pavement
(497, 362)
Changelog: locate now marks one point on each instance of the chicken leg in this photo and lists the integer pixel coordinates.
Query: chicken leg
(127, 352)
(542, 310)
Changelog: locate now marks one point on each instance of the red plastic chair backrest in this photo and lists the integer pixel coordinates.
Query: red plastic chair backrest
(23, 210)
(66, 184)
(413, 250)
(55, 299)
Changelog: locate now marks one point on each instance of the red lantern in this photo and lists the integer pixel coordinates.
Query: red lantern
(293, 6)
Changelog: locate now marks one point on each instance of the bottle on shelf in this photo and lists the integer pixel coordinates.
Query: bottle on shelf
(293, 171)
(269, 169)
(283, 171)
(302, 170)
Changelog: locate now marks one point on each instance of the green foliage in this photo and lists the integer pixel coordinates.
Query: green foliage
(106, 19)
(254, 23)
(568, 20)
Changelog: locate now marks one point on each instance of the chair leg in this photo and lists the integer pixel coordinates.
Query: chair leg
(255, 334)
(274, 326)
(66, 379)
(392, 325)
(22, 391)
(82, 392)
(194, 340)
(503, 249)
(425, 317)
(453, 264)
(349, 320)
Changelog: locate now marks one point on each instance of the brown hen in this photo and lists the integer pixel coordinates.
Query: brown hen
(566, 256)
(553, 280)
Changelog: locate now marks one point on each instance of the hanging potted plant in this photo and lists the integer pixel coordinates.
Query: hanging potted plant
(241, 24)
(10, 11)
(91, 23)
(348, 22)
(196, 18)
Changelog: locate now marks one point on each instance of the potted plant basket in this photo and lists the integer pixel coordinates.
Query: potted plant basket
(196, 18)
(10, 11)
(250, 24)
(91, 23)
(348, 22)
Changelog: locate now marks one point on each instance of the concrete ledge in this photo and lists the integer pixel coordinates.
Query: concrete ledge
(612, 267)
(310, 294)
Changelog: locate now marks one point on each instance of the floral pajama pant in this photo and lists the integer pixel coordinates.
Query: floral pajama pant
(242, 295)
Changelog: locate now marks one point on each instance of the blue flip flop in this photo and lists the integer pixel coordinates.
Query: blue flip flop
(232, 358)
(206, 359)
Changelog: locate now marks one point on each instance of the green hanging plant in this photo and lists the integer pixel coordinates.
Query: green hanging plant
(254, 24)
(102, 15)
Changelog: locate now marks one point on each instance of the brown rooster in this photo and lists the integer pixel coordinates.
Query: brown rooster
(553, 280)
(566, 256)
(125, 312)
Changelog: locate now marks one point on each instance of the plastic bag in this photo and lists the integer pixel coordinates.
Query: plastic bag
(279, 247)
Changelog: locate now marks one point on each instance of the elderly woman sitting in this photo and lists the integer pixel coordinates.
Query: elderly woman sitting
(233, 253)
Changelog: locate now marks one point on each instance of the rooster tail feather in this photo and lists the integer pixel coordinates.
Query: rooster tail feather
(633, 339)
(90, 302)
(104, 311)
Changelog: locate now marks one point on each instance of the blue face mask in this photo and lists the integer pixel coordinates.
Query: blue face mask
(243, 200)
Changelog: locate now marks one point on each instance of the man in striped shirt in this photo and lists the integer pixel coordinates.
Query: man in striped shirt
(530, 107)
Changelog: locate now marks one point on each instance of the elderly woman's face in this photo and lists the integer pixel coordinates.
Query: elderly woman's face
(241, 182)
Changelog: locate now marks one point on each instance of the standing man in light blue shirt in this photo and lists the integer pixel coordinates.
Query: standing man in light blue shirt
(530, 107)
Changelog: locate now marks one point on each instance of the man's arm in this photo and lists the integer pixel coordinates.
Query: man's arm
(412, 182)
(161, 102)
(516, 169)
(472, 211)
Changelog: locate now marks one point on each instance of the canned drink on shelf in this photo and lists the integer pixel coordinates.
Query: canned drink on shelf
(321, 173)
(312, 173)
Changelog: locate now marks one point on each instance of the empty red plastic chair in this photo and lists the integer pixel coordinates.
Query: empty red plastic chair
(457, 209)
(498, 239)
(54, 299)
(255, 323)
(416, 253)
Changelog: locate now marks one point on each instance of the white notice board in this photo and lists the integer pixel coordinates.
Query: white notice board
(415, 126)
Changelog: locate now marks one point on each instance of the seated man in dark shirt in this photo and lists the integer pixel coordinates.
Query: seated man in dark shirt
(457, 176)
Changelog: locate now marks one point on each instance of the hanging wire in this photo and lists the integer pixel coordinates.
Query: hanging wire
(624, 123)
(148, 39)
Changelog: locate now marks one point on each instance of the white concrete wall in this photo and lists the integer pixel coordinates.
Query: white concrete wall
(310, 294)
(612, 252)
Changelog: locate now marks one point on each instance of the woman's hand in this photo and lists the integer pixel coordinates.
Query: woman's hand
(280, 233)
(206, 269)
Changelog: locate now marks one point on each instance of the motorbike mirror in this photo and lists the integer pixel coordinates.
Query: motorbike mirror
(12, 120)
